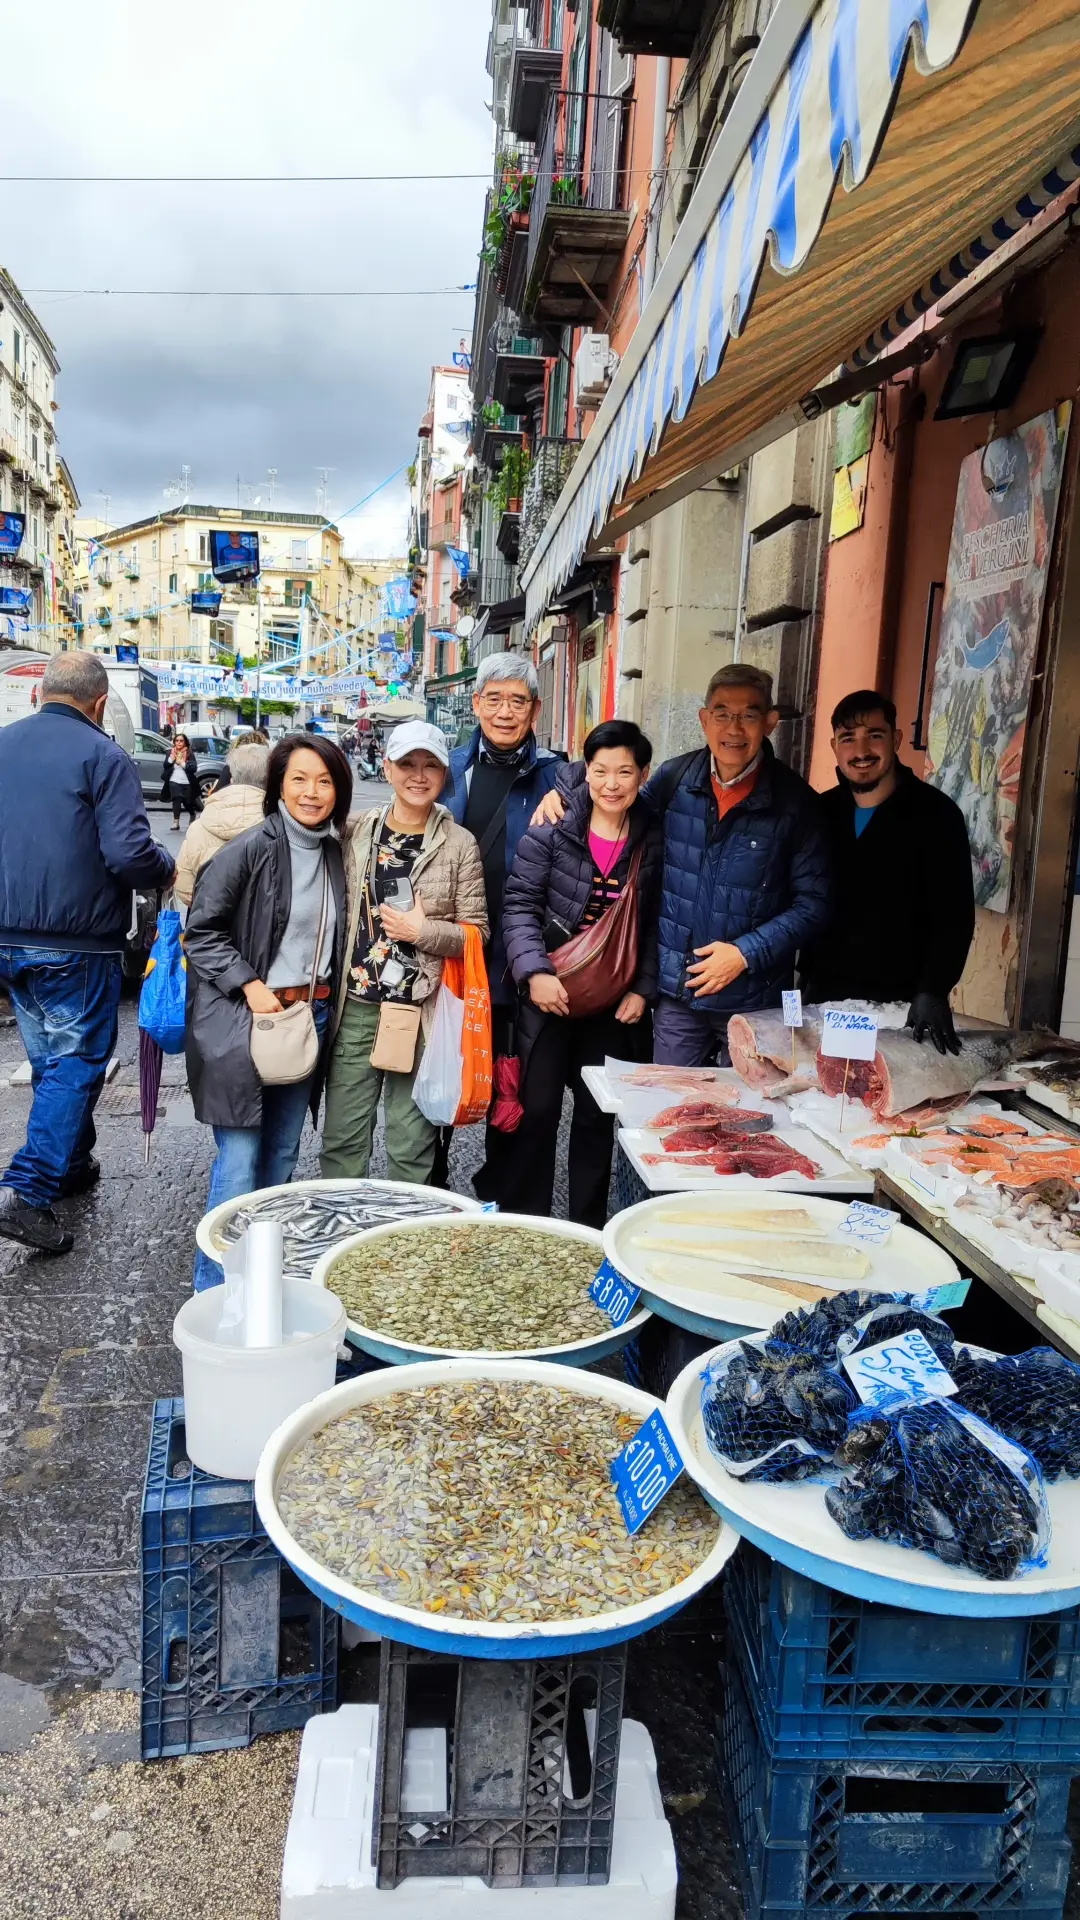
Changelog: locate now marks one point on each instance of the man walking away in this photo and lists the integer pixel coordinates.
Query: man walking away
(905, 903)
(493, 786)
(74, 844)
(746, 880)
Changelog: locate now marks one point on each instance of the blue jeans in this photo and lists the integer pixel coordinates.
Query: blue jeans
(66, 1005)
(266, 1156)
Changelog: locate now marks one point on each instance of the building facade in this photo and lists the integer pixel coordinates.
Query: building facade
(31, 483)
(141, 578)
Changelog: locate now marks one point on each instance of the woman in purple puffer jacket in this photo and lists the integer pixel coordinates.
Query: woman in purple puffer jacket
(563, 878)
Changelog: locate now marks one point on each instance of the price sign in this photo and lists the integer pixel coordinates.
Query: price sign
(898, 1372)
(648, 1465)
(614, 1293)
(792, 1007)
(848, 1036)
(864, 1222)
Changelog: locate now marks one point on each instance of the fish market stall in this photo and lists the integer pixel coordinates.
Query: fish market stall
(720, 1264)
(960, 1496)
(466, 1506)
(489, 1286)
(315, 1215)
(692, 1129)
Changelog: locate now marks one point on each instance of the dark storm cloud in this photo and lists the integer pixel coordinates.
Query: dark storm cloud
(232, 386)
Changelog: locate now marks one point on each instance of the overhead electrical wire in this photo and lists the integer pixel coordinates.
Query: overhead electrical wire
(252, 293)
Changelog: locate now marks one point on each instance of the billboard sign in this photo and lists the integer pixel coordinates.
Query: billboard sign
(234, 555)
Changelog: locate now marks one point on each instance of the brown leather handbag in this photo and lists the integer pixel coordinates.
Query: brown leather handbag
(600, 963)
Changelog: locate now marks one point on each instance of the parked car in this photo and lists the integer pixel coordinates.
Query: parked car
(209, 748)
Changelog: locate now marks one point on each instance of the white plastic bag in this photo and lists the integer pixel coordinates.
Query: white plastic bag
(437, 1087)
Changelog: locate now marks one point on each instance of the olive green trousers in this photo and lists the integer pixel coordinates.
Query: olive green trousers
(353, 1090)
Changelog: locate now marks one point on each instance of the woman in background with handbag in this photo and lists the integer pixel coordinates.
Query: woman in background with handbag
(579, 920)
(265, 944)
(414, 881)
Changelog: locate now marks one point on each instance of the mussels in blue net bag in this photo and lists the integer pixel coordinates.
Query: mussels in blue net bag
(1032, 1398)
(817, 1329)
(773, 1414)
(933, 1477)
(846, 1323)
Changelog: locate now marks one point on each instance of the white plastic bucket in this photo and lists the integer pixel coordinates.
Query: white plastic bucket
(235, 1397)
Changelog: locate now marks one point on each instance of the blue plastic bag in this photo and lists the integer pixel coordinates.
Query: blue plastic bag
(164, 988)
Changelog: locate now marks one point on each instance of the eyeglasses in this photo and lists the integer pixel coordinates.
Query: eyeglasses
(512, 702)
(723, 715)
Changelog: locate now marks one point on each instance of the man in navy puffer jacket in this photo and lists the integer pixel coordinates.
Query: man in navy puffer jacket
(746, 879)
(74, 844)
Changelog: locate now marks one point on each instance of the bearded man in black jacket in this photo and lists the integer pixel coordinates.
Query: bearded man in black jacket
(905, 905)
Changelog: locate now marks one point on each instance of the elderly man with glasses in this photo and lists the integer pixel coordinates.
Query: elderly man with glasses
(495, 782)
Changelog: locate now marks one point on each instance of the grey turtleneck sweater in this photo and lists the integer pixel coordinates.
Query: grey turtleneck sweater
(291, 965)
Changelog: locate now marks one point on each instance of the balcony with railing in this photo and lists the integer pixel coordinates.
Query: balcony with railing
(131, 569)
(506, 220)
(497, 587)
(578, 220)
(103, 573)
(517, 380)
(534, 65)
(653, 26)
(553, 460)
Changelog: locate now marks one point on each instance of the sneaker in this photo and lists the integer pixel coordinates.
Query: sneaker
(80, 1179)
(32, 1226)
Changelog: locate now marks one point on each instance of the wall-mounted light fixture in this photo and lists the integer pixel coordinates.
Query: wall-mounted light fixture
(987, 374)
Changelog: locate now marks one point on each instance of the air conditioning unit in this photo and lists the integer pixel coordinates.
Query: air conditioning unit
(594, 369)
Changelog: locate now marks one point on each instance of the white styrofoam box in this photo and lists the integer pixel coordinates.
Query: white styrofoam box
(1057, 1276)
(328, 1873)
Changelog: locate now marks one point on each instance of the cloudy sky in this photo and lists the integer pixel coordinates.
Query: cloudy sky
(232, 386)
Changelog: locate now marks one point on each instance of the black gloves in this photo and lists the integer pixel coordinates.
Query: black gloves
(930, 1018)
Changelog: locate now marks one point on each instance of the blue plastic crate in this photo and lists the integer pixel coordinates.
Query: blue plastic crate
(233, 1644)
(890, 1837)
(829, 1676)
(630, 1188)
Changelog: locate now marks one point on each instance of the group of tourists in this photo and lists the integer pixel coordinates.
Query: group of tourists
(623, 911)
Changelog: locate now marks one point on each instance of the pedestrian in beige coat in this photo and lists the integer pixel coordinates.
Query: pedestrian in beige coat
(228, 812)
(414, 879)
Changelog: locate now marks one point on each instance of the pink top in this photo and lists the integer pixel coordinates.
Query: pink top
(605, 852)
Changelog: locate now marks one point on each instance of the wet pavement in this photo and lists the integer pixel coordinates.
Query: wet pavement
(85, 1347)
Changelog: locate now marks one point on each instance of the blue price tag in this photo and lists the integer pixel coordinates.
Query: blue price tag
(648, 1465)
(612, 1291)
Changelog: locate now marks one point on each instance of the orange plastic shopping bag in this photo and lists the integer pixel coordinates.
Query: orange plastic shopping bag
(467, 980)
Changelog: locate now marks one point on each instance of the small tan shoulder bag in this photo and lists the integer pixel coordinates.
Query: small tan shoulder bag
(285, 1046)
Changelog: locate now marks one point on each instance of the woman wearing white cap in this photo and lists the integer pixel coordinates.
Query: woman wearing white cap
(414, 878)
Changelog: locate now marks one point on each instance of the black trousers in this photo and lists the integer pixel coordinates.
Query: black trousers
(555, 1050)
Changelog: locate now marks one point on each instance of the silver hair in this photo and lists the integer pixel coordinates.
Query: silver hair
(75, 676)
(247, 764)
(508, 666)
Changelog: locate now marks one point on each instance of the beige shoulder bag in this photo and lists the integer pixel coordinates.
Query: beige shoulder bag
(285, 1046)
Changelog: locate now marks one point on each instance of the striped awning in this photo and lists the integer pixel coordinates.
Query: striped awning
(870, 140)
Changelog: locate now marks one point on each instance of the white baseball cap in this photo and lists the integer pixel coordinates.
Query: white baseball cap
(415, 735)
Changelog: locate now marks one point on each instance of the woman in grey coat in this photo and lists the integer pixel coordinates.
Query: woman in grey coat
(250, 943)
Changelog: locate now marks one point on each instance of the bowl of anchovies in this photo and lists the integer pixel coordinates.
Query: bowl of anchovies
(467, 1506)
(316, 1215)
(492, 1286)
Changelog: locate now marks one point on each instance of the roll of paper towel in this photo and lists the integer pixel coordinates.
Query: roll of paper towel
(263, 1288)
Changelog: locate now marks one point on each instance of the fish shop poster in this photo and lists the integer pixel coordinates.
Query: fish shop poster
(999, 557)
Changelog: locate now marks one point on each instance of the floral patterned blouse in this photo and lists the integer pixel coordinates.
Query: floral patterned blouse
(397, 855)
